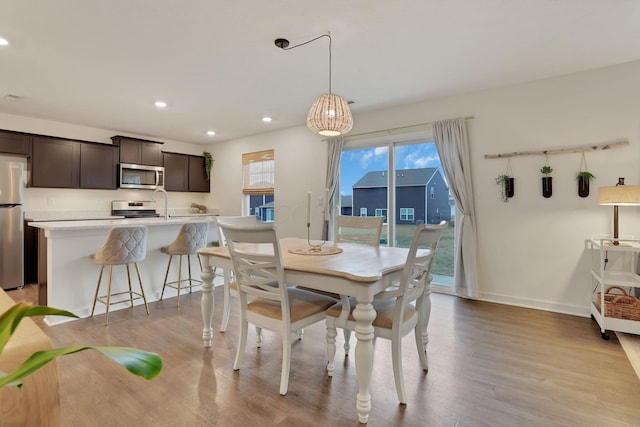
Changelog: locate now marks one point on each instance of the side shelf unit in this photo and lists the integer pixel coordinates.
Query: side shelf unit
(604, 254)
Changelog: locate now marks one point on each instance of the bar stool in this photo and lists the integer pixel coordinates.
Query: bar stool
(191, 237)
(124, 246)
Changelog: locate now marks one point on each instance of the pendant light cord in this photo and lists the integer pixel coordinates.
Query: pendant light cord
(312, 40)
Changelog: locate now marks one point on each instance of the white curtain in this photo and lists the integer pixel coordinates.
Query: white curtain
(334, 153)
(453, 147)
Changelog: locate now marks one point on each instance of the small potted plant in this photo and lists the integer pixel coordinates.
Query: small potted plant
(507, 188)
(584, 178)
(208, 163)
(547, 188)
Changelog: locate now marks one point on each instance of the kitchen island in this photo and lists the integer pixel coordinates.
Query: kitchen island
(71, 275)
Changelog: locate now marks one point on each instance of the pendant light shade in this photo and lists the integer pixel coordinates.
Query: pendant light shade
(330, 115)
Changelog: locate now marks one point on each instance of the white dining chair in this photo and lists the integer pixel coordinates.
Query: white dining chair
(230, 285)
(358, 229)
(432, 238)
(396, 314)
(266, 299)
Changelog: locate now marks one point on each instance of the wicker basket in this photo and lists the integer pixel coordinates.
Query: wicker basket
(620, 306)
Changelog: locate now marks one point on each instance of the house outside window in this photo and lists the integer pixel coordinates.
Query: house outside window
(363, 211)
(382, 212)
(433, 193)
(406, 214)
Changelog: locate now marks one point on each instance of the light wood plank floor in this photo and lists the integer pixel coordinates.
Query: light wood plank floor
(490, 365)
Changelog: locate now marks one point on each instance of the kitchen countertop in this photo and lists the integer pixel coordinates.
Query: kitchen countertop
(109, 223)
(37, 216)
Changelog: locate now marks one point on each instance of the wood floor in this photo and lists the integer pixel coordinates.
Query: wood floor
(490, 365)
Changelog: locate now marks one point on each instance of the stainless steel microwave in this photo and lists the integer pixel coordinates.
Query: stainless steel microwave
(141, 176)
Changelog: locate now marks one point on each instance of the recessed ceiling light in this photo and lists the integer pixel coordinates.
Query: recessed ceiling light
(160, 104)
(267, 119)
(211, 132)
(3, 42)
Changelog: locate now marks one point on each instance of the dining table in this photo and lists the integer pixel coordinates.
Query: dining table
(352, 269)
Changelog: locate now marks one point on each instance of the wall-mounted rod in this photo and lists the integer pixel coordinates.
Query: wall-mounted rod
(578, 149)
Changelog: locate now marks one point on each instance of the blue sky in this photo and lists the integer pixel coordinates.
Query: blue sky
(356, 163)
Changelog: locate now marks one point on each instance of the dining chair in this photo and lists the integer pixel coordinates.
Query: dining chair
(274, 305)
(123, 246)
(230, 285)
(432, 238)
(191, 237)
(358, 229)
(396, 314)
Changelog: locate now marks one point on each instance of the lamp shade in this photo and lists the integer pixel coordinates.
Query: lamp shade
(330, 115)
(621, 195)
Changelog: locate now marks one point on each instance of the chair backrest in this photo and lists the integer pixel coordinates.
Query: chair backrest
(124, 245)
(432, 237)
(233, 220)
(257, 262)
(192, 236)
(415, 274)
(359, 229)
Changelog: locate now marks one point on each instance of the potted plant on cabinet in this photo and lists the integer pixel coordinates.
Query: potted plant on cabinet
(584, 178)
(547, 188)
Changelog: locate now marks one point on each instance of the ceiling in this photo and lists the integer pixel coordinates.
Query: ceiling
(104, 63)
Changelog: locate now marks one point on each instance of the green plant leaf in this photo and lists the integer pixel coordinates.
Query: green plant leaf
(139, 362)
(10, 319)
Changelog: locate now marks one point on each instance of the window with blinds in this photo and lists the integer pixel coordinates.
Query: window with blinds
(258, 172)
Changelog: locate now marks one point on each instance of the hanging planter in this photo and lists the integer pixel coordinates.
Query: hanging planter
(208, 163)
(547, 181)
(584, 177)
(506, 183)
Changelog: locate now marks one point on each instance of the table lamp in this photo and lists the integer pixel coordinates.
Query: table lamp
(619, 195)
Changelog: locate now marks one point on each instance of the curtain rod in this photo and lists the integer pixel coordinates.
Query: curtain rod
(398, 128)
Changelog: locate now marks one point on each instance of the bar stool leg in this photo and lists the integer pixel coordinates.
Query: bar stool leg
(144, 298)
(179, 278)
(106, 319)
(95, 297)
(166, 276)
(189, 267)
(129, 282)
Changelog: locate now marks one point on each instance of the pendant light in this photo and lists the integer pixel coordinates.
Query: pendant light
(330, 114)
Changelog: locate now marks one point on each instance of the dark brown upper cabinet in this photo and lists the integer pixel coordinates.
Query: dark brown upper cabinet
(176, 172)
(197, 175)
(185, 172)
(55, 163)
(15, 143)
(138, 151)
(98, 166)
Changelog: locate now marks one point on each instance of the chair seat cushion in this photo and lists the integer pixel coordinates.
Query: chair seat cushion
(301, 303)
(384, 309)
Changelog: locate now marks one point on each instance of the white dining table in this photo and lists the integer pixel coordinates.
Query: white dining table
(359, 270)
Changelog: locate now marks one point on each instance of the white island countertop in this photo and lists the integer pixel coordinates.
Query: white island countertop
(110, 223)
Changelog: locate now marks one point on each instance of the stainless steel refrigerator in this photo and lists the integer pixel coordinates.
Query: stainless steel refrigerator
(12, 172)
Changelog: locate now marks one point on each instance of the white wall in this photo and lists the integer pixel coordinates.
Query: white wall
(56, 199)
(531, 250)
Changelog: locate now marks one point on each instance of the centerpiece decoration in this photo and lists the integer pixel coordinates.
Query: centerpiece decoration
(317, 248)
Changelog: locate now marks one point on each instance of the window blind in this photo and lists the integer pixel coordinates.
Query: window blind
(258, 170)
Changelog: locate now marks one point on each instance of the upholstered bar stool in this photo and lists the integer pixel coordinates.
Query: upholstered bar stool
(191, 237)
(124, 246)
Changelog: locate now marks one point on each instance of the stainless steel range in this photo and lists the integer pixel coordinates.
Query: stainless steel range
(134, 208)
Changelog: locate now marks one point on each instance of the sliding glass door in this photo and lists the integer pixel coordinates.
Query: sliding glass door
(402, 181)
